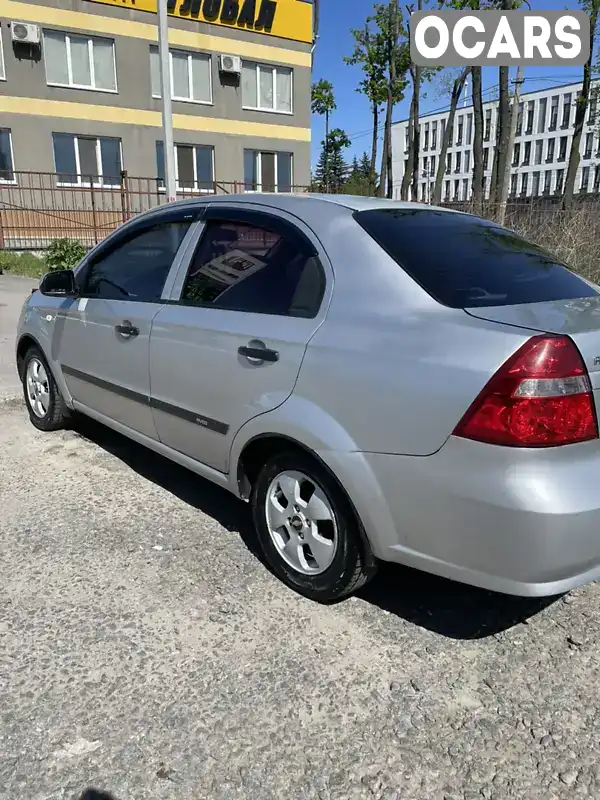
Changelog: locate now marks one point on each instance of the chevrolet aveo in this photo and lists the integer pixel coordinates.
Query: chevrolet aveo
(381, 381)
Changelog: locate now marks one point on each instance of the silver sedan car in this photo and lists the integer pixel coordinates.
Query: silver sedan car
(381, 381)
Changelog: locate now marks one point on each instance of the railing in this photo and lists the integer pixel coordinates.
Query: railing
(37, 207)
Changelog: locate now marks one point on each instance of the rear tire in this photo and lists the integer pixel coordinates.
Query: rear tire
(46, 407)
(307, 528)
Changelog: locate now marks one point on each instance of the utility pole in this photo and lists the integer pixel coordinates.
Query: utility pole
(167, 108)
(505, 179)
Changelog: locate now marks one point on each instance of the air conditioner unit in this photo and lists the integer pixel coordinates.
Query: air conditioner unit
(231, 64)
(26, 33)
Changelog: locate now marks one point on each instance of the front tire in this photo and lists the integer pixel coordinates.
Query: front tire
(46, 407)
(307, 528)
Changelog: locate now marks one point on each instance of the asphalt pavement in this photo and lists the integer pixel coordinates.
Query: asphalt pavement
(146, 651)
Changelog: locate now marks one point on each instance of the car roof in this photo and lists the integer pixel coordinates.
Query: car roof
(296, 203)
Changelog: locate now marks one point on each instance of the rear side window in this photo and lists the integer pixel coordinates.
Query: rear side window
(466, 262)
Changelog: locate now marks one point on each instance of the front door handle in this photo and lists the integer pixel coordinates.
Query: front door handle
(259, 354)
(127, 330)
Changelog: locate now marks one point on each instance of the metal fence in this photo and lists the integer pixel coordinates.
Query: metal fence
(37, 207)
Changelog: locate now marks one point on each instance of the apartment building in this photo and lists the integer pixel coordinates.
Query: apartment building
(540, 155)
(80, 91)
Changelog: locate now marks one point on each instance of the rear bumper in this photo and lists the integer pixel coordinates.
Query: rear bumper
(523, 522)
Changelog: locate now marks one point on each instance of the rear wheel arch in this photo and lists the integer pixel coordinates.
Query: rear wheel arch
(261, 448)
(26, 342)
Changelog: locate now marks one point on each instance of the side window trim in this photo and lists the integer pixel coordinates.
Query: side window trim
(260, 218)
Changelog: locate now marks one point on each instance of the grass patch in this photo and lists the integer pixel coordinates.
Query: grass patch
(25, 264)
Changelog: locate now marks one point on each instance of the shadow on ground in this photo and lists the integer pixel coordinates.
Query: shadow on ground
(95, 794)
(443, 606)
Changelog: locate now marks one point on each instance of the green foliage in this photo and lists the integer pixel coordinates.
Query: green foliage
(64, 254)
(360, 180)
(322, 99)
(26, 264)
(369, 54)
(331, 169)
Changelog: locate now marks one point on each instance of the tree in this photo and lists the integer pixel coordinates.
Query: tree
(592, 7)
(331, 170)
(361, 180)
(457, 88)
(323, 103)
(478, 174)
(370, 55)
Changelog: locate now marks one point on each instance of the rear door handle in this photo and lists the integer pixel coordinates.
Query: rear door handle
(259, 354)
(127, 330)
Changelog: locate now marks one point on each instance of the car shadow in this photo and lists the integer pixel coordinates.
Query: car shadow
(446, 607)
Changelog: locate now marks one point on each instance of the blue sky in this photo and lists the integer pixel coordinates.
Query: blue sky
(353, 114)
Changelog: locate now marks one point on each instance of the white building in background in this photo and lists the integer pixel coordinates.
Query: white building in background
(540, 155)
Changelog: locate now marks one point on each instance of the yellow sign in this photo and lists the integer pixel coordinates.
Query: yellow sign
(288, 19)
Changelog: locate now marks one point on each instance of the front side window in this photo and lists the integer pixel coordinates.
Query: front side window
(267, 88)
(80, 62)
(137, 269)
(84, 160)
(466, 262)
(7, 174)
(190, 76)
(194, 167)
(267, 172)
(243, 267)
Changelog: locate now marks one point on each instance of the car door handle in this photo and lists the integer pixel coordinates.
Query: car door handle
(259, 353)
(127, 330)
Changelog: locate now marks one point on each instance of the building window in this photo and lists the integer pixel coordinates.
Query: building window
(80, 62)
(447, 191)
(425, 164)
(7, 164)
(553, 114)
(267, 88)
(456, 190)
(81, 160)
(593, 106)
(486, 157)
(194, 167)
(513, 184)
(541, 126)
(550, 156)
(527, 153)
(459, 131)
(562, 154)
(536, 184)
(524, 182)
(520, 120)
(469, 128)
(530, 113)
(267, 171)
(516, 154)
(467, 160)
(432, 171)
(451, 136)
(547, 181)
(448, 163)
(465, 189)
(589, 144)
(585, 179)
(539, 146)
(2, 67)
(566, 116)
(190, 76)
(458, 158)
(597, 178)
(560, 175)
(426, 138)
(434, 135)
(488, 125)
(406, 140)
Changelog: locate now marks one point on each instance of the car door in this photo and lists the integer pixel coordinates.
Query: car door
(102, 338)
(230, 343)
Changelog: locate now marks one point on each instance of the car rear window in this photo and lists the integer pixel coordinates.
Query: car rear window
(466, 262)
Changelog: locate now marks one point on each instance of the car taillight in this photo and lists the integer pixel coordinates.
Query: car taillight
(540, 397)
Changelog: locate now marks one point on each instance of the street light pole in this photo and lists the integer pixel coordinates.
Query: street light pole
(167, 109)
